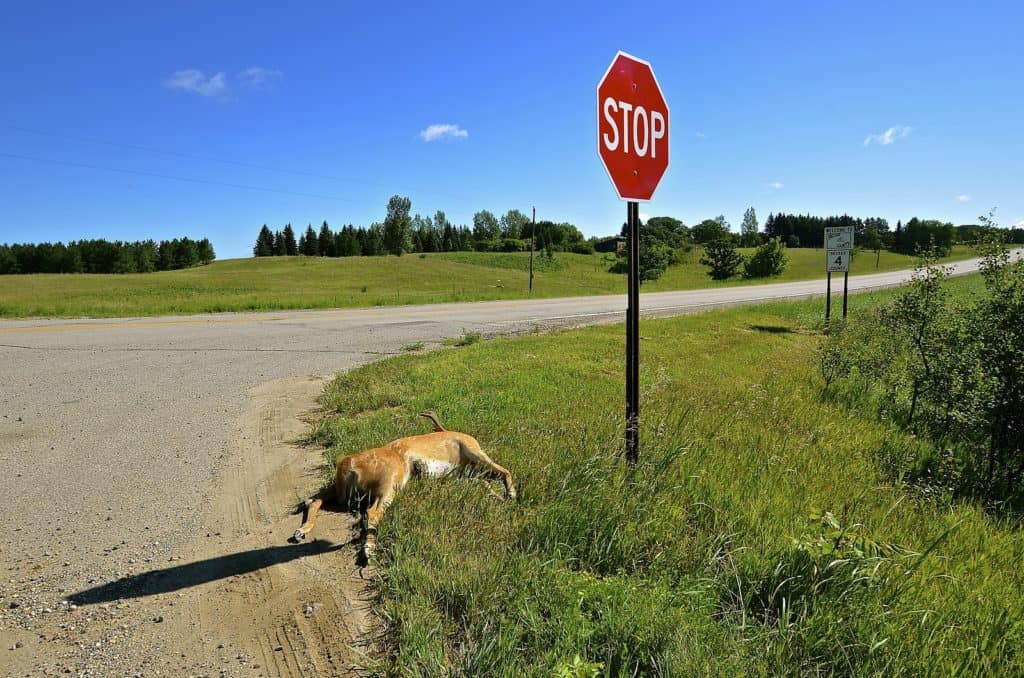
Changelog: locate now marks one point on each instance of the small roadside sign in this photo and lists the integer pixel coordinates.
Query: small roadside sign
(838, 261)
(839, 238)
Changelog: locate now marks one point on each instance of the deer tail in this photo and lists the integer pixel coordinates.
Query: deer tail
(432, 416)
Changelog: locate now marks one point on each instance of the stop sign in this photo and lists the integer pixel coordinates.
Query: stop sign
(632, 127)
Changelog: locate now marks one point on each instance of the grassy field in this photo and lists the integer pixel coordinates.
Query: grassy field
(764, 531)
(301, 282)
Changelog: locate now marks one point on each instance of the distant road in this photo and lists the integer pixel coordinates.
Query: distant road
(104, 419)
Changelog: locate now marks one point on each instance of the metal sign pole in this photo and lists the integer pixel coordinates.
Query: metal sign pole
(846, 279)
(828, 297)
(633, 337)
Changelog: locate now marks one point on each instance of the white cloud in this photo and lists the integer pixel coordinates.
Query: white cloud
(644, 216)
(1019, 224)
(776, 185)
(192, 80)
(435, 132)
(257, 76)
(701, 135)
(888, 136)
(963, 198)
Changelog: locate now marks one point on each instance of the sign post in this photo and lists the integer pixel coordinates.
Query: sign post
(633, 143)
(838, 248)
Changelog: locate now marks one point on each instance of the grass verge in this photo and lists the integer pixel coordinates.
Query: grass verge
(759, 534)
(311, 282)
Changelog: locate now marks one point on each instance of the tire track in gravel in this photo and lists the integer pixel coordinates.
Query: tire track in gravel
(304, 616)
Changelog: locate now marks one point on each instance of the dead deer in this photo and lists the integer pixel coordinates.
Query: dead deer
(371, 478)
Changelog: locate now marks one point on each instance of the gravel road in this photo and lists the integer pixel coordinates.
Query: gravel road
(145, 473)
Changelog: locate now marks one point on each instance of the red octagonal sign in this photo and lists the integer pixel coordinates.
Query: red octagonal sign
(632, 127)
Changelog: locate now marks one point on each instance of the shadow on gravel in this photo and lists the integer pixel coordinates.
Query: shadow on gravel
(200, 572)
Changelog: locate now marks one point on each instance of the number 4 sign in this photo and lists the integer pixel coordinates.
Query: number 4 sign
(838, 261)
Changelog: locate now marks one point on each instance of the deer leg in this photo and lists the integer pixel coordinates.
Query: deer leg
(373, 517)
(311, 507)
(478, 456)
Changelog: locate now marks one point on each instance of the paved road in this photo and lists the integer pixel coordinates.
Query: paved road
(108, 421)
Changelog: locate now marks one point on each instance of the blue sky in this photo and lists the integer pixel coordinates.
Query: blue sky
(129, 121)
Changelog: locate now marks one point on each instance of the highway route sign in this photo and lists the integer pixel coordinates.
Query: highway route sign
(838, 261)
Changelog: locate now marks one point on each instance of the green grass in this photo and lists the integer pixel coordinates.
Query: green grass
(711, 558)
(301, 282)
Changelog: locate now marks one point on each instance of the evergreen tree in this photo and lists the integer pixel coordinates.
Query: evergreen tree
(289, 248)
(723, 259)
(264, 243)
(325, 242)
(165, 256)
(347, 242)
(206, 253)
(310, 245)
(373, 241)
(186, 253)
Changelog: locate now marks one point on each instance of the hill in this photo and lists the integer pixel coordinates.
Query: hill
(272, 283)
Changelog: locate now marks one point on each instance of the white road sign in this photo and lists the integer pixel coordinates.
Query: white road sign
(838, 261)
(839, 238)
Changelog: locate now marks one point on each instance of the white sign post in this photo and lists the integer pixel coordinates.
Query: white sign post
(838, 248)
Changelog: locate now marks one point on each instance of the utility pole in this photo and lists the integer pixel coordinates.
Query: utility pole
(533, 234)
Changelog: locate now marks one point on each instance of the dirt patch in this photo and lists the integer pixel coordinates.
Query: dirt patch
(297, 610)
(232, 599)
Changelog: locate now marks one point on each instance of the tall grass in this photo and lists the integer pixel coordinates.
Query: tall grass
(276, 283)
(759, 534)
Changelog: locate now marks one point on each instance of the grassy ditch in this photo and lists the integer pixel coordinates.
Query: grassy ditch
(759, 534)
(277, 283)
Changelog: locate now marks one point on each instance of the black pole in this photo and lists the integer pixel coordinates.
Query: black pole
(533, 234)
(828, 297)
(846, 278)
(633, 337)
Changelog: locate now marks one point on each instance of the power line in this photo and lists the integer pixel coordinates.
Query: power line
(179, 154)
(211, 182)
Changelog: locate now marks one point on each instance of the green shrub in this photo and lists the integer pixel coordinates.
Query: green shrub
(767, 260)
(655, 258)
(723, 259)
(951, 372)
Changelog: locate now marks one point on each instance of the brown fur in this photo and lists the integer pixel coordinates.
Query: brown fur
(375, 475)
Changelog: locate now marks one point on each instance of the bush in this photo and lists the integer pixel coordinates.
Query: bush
(722, 257)
(655, 258)
(582, 247)
(951, 372)
(514, 245)
(769, 259)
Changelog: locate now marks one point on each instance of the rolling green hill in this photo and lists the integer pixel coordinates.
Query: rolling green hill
(312, 282)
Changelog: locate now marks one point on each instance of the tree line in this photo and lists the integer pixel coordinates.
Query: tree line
(873, 233)
(104, 256)
(402, 233)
